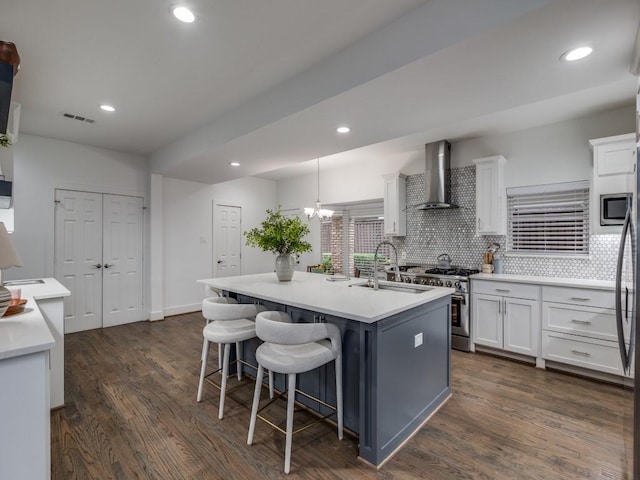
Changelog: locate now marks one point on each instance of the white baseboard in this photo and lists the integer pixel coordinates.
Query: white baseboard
(180, 309)
(157, 315)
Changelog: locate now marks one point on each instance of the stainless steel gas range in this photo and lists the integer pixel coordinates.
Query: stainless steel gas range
(453, 277)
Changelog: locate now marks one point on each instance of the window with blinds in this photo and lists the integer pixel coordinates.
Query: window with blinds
(549, 219)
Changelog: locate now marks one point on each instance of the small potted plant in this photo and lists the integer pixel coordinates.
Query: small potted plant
(282, 236)
(5, 141)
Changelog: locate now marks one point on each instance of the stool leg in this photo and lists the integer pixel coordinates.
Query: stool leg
(225, 373)
(220, 348)
(270, 384)
(291, 395)
(338, 363)
(256, 402)
(203, 368)
(238, 357)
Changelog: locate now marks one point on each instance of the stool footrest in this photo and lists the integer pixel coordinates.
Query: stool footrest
(300, 405)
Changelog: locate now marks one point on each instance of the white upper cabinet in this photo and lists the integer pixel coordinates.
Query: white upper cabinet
(490, 196)
(614, 161)
(395, 204)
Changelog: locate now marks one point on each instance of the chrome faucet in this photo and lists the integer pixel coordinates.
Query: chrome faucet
(375, 263)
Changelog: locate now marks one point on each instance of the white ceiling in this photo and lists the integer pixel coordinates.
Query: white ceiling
(265, 83)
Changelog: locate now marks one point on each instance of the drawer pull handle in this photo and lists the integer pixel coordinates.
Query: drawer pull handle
(581, 322)
(578, 352)
(580, 299)
(502, 290)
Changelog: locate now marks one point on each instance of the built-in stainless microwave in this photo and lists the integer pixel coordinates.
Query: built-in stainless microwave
(613, 208)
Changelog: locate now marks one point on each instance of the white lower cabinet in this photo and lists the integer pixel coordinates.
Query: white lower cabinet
(506, 316)
(579, 328)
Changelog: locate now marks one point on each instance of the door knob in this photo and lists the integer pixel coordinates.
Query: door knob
(106, 265)
(97, 265)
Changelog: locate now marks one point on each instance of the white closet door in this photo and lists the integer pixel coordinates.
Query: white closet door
(122, 260)
(78, 257)
(228, 238)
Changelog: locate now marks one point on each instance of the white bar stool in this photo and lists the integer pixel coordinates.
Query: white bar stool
(229, 322)
(211, 293)
(292, 348)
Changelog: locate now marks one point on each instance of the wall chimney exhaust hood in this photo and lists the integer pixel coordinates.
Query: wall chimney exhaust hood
(437, 176)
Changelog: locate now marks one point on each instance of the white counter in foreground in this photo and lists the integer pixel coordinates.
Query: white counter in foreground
(32, 379)
(313, 291)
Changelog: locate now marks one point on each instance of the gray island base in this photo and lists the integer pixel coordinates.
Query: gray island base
(396, 352)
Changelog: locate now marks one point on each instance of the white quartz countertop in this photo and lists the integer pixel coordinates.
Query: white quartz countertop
(540, 280)
(313, 291)
(27, 332)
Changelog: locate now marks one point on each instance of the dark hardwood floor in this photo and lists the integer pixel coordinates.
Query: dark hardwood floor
(131, 414)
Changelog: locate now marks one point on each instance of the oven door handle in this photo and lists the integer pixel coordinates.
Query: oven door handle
(462, 298)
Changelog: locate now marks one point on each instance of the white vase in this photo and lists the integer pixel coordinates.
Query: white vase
(284, 267)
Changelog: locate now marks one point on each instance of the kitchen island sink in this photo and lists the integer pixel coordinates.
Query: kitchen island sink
(395, 287)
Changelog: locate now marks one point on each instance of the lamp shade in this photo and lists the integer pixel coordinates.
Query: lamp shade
(9, 256)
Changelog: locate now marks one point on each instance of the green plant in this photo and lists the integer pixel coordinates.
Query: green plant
(5, 141)
(279, 234)
(327, 262)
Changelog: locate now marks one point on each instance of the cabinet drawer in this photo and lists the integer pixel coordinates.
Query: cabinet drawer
(581, 296)
(586, 321)
(506, 289)
(582, 352)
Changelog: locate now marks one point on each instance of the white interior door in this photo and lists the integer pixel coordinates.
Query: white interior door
(227, 240)
(98, 257)
(122, 260)
(78, 257)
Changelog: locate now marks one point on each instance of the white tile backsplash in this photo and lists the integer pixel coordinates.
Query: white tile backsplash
(432, 232)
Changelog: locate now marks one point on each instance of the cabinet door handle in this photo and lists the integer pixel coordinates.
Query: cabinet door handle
(581, 322)
(580, 299)
(578, 352)
(106, 265)
(504, 309)
(499, 306)
(97, 265)
(502, 290)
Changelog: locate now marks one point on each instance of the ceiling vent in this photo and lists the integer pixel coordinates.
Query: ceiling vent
(80, 118)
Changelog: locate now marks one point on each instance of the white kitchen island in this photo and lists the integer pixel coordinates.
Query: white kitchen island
(31, 375)
(396, 350)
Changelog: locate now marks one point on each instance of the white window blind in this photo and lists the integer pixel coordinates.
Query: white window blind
(549, 219)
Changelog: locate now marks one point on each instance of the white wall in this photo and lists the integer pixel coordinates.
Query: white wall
(548, 154)
(255, 196)
(188, 234)
(186, 218)
(43, 164)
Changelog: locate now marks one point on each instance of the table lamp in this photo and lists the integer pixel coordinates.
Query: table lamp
(9, 257)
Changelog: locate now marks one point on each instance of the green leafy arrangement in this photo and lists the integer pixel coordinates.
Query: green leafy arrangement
(5, 141)
(279, 234)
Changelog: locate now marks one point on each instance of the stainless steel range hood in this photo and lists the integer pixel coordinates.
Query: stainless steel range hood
(437, 176)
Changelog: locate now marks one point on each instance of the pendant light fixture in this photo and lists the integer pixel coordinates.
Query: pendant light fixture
(322, 213)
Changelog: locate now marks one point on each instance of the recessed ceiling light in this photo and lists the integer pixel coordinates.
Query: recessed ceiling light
(343, 129)
(234, 164)
(183, 14)
(576, 54)
(107, 108)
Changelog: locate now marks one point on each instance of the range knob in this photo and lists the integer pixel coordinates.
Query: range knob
(457, 285)
(432, 282)
(447, 283)
(416, 280)
(439, 283)
(407, 279)
(424, 281)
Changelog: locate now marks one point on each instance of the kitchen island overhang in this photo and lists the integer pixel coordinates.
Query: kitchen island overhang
(396, 351)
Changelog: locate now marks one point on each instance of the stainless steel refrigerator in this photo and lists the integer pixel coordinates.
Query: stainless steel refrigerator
(627, 298)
